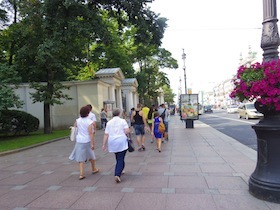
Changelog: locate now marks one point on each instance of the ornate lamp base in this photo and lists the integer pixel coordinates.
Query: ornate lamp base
(264, 183)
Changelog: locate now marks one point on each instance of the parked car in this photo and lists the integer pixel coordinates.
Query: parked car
(232, 109)
(248, 110)
(208, 108)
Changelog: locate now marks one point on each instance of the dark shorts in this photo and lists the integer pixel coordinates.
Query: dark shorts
(166, 126)
(139, 129)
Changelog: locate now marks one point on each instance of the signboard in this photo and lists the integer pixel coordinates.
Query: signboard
(108, 106)
(189, 106)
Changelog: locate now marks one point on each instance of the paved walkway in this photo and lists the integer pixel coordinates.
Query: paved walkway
(198, 168)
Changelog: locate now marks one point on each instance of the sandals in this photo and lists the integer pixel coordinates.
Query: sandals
(117, 179)
(81, 177)
(95, 171)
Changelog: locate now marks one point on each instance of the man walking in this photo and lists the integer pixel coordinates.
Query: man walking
(139, 126)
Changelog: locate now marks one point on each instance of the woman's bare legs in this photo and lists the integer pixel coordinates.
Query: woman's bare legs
(158, 144)
(81, 166)
(93, 167)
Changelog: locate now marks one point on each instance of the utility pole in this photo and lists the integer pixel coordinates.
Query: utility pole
(184, 68)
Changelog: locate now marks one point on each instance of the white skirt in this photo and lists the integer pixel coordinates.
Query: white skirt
(82, 152)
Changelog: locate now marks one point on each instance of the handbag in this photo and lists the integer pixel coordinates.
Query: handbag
(161, 127)
(131, 146)
(73, 133)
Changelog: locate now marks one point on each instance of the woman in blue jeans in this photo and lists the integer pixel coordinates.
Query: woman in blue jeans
(115, 139)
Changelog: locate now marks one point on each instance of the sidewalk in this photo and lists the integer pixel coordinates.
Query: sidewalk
(198, 168)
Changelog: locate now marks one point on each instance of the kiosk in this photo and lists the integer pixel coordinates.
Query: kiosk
(189, 108)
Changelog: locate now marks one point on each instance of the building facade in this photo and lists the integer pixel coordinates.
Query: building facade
(109, 90)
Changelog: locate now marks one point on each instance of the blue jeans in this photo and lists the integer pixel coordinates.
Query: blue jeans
(103, 123)
(119, 162)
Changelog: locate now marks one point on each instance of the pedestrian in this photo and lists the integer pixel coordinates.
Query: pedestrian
(150, 119)
(124, 115)
(103, 118)
(139, 126)
(115, 140)
(84, 146)
(164, 114)
(155, 131)
(92, 117)
(145, 111)
(131, 121)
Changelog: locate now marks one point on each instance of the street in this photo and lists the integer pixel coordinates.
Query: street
(229, 124)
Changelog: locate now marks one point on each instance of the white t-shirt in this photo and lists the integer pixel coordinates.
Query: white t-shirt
(92, 116)
(83, 134)
(117, 140)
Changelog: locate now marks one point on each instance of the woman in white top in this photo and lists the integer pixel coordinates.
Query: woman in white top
(83, 150)
(115, 139)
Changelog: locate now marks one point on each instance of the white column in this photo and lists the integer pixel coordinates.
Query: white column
(129, 100)
(119, 98)
(135, 100)
(112, 93)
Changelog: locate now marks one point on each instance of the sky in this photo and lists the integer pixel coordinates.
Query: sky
(213, 34)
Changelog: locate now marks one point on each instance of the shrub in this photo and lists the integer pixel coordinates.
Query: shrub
(17, 122)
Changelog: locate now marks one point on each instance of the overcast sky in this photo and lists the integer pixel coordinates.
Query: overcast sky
(213, 34)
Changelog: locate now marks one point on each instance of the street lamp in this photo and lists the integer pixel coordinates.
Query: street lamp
(270, 37)
(264, 183)
(184, 68)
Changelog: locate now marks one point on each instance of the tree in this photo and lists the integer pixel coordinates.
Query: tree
(168, 95)
(150, 78)
(9, 79)
(52, 41)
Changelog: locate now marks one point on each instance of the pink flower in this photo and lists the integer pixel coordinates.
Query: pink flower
(260, 81)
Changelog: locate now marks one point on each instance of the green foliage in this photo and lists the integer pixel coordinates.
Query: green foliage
(9, 79)
(52, 41)
(43, 93)
(251, 74)
(17, 122)
(168, 94)
(151, 79)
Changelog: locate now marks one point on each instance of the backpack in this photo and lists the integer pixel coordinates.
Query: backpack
(163, 115)
(161, 127)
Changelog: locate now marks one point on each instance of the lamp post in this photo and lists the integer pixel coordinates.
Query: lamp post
(270, 37)
(184, 68)
(264, 183)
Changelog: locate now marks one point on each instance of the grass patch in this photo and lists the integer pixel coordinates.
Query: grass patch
(16, 142)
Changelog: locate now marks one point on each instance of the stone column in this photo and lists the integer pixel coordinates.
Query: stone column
(129, 101)
(119, 98)
(112, 93)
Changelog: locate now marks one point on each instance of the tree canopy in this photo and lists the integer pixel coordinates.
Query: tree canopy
(51, 41)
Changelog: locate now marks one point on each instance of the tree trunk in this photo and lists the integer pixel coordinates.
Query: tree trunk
(47, 119)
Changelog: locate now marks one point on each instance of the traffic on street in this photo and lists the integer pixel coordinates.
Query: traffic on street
(231, 125)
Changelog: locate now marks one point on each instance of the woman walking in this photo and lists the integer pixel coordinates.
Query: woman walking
(150, 120)
(103, 116)
(155, 130)
(115, 139)
(83, 150)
